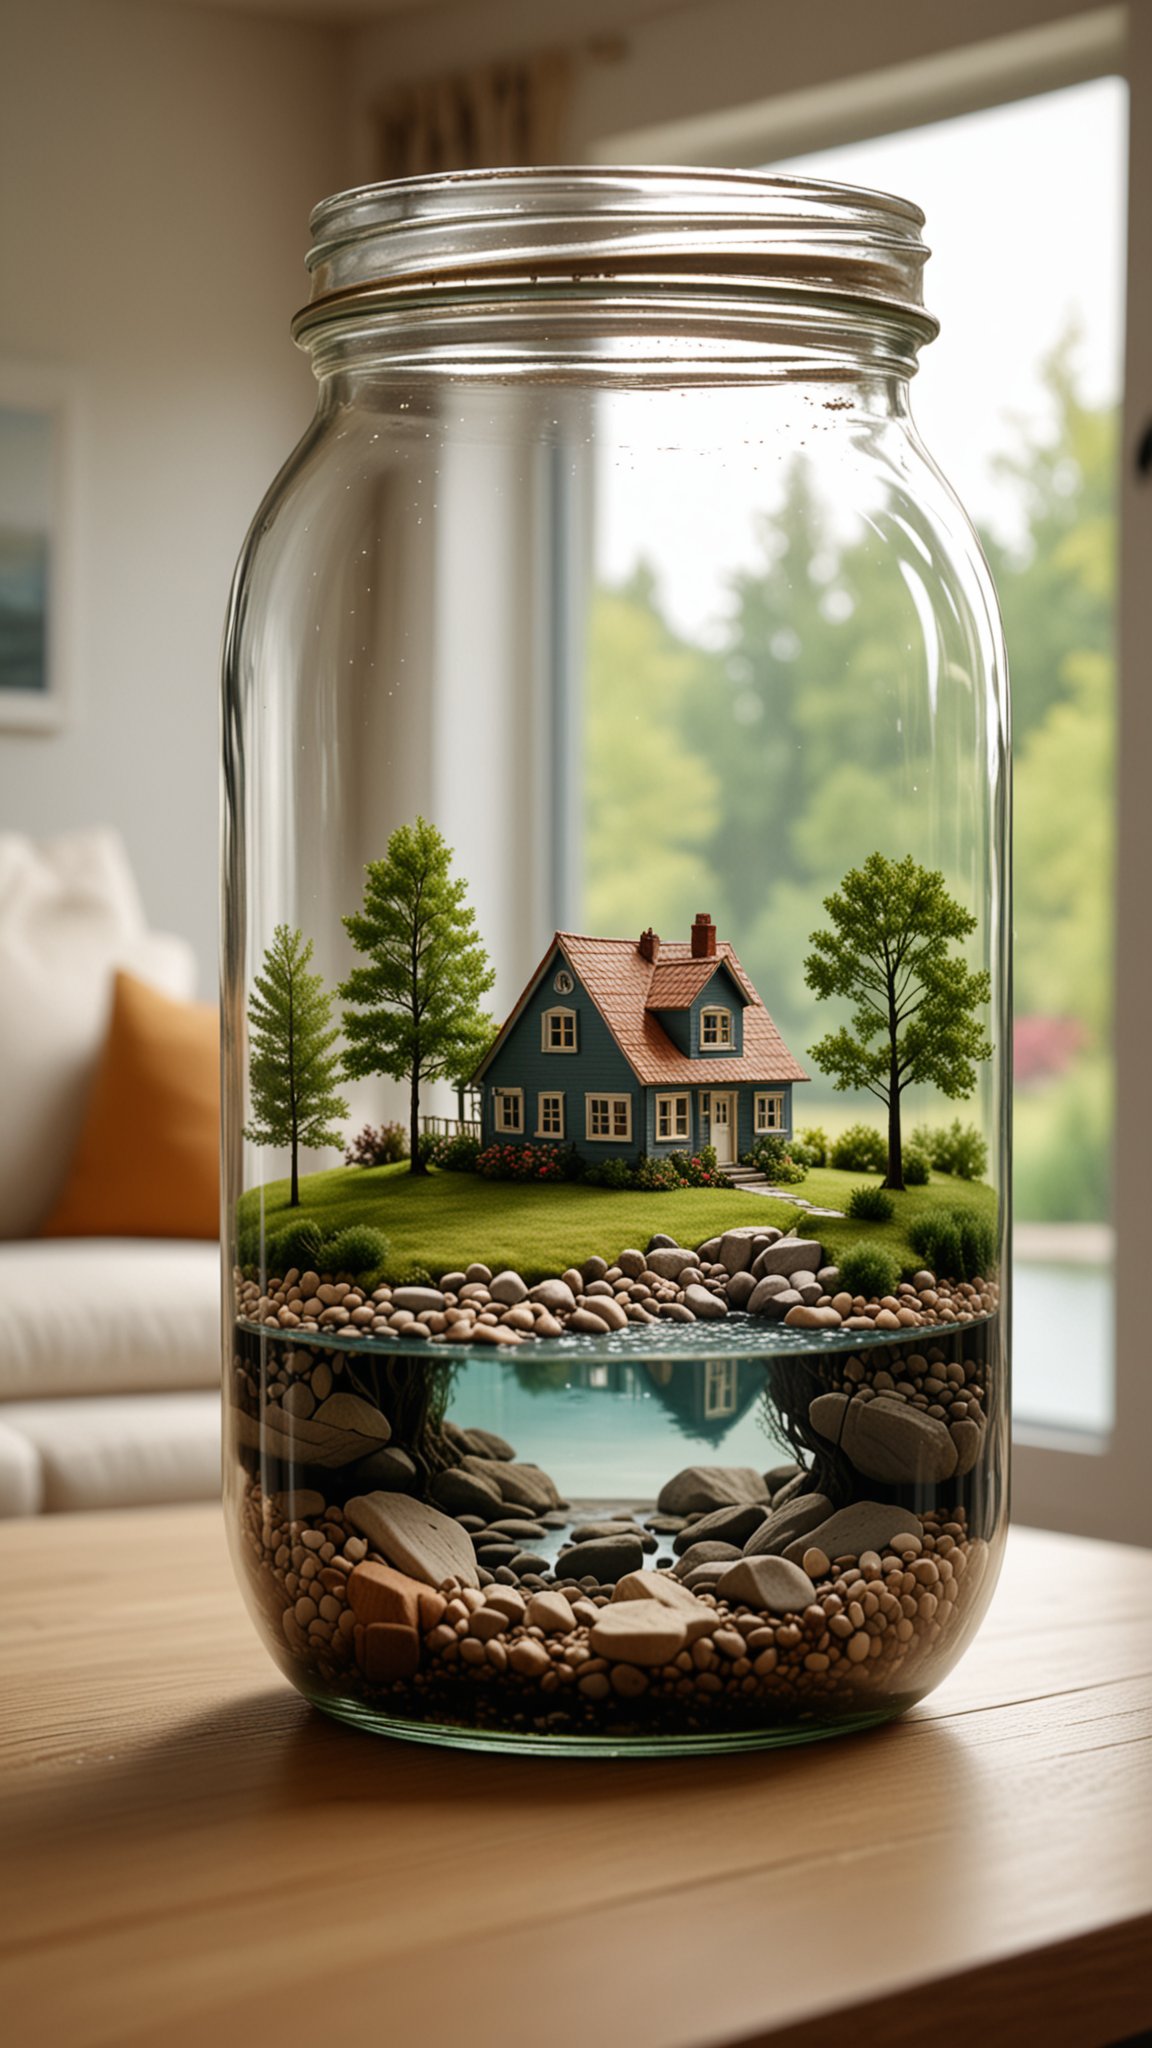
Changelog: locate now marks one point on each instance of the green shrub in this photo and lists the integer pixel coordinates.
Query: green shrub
(654, 1176)
(698, 1169)
(610, 1173)
(774, 1156)
(860, 1149)
(811, 1148)
(959, 1150)
(869, 1269)
(956, 1244)
(299, 1244)
(359, 1250)
(916, 1169)
(455, 1155)
(871, 1205)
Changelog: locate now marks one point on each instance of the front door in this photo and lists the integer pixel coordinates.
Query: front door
(724, 1129)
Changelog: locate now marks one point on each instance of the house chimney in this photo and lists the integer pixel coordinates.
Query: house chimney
(649, 946)
(703, 937)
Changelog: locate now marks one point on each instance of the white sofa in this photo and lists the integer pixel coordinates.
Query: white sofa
(109, 1348)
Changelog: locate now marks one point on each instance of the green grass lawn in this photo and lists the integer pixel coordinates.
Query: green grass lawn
(441, 1221)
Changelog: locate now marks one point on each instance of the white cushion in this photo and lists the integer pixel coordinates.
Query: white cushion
(122, 1451)
(70, 914)
(21, 1474)
(107, 1315)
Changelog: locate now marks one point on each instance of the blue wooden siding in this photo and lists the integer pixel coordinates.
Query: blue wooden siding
(597, 1067)
(721, 993)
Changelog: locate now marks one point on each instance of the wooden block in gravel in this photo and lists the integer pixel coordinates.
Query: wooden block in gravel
(415, 1537)
(388, 1650)
(377, 1592)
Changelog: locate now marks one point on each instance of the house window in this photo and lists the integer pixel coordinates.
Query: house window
(672, 1117)
(768, 1114)
(715, 1027)
(721, 1388)
(509, 1109)
(559, 1031)
(550, 1116)
(609, 1118)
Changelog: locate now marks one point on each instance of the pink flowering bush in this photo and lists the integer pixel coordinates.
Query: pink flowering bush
(522, 1162)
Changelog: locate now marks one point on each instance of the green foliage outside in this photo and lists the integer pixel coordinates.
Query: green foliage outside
(767, 790)
(917, 1007)
(292, 1070)
(413, 1011)
(440, 1221)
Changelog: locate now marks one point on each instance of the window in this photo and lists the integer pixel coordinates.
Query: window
(673, 1118)
(550, 1116)
(721, 1388)
(768, 1113)
(715, 1027)
(509, 1109)
(559, 1029)
(609, 1118)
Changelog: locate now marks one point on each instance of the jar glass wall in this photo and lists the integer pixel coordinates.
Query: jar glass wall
(587, 1398)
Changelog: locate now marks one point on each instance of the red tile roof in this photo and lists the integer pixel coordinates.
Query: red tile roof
(621, 982)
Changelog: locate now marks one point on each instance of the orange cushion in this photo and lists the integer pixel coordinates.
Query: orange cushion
(147, 1160)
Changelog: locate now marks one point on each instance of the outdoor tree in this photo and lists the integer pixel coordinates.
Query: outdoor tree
(414, 1007)
(292, 1070)
(916, 1003)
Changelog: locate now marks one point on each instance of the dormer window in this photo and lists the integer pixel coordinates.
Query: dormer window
(716, 1027)
(559, 1031)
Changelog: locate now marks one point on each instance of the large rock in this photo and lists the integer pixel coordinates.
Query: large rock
(509, 1288)
(669, 1261)
(968, 1437)
(466, 1493)
(639, 1632)
(521, 1486)
(387, 1471)
(887, 1439)
(725, 1525)
(486, 1444)
(607, 1559)
(698, 1489)
(808, 1317)
(866, 1525)
(791, 1519)
(701, 1618)
(705, 1306)
(789, 1255)
(766, 1292)
(555, 1295)
(766, 1582)
(741, 1288)
(415, 1537)
(710, 1551)
(417, 1298)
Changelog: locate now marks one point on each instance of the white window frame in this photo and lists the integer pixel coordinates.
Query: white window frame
(673, 1104)
(723, 1019)
(555, 1095)
(562, 1013)
(612, 1137)
(762, 1126)
(504, 1099)
(1092, 1486)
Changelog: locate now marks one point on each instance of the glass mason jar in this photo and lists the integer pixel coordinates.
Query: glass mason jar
(616, 977)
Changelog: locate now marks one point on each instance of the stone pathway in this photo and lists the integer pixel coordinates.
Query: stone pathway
(749, 1182)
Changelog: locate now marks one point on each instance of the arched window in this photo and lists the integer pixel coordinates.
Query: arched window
(558, 1030)
(715, 1027)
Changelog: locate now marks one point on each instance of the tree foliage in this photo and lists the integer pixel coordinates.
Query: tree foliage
(413, 1010)
(915, 1018)
(292, 1070)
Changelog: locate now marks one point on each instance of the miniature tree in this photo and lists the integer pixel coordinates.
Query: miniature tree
(414, 1010)
(915, 1018)
(292, 1070)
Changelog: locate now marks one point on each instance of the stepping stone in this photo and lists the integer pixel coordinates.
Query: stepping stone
(606, 1560)
(725, 1525)
(699, 1489)
(639, 1632)
(785, 1524)
(866, 1525)
(415, 1537)
(771, 1583)
(887, 1439)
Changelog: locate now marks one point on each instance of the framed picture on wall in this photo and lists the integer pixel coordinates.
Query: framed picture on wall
(37, 455)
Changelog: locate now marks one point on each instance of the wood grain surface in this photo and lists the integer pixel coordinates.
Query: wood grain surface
(192, 1855)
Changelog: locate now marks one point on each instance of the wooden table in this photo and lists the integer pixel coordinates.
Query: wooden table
(192, 1856)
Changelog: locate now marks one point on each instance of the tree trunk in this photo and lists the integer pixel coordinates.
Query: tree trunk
(294, 1197)
(415, 1163)
(895, 1175)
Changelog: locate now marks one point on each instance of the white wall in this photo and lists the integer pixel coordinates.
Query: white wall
(157, 166)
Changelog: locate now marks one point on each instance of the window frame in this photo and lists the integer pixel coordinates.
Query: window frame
(561, 1013)
(669, 1101)
(908, 75)
(612, 1137)
(722, 1016)
(761, 1129)
(549, 1095)
(501, 1097)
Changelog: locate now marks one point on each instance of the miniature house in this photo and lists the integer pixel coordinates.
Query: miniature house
(628, 1046)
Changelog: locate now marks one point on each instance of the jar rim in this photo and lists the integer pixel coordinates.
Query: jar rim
(598, 228)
